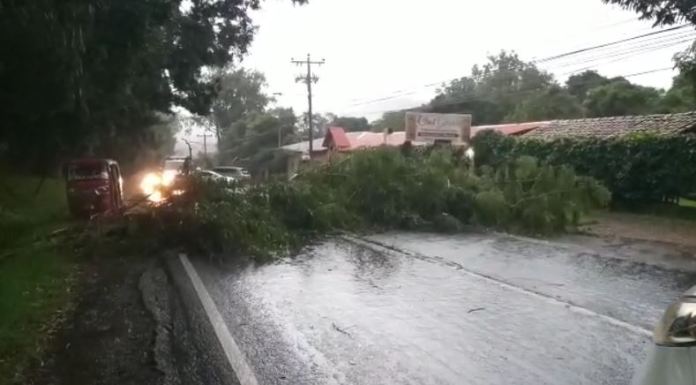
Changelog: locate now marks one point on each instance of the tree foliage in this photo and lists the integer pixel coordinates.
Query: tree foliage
(240, 93)
(253, 140)
(74, 75)
(681, 97)
(540, 197)
(663, 12)
(686, 62)
(580, 84)
(350, 123)
(621, 97)
(394, 120)
(552, 103)
(493, 91)
(507, 89)
(320, 123)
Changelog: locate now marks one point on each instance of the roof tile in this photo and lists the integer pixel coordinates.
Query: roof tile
(665, 124)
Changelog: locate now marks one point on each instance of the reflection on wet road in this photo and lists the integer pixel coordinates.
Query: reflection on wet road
(470, 309)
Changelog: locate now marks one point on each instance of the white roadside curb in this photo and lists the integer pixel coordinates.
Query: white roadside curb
(234, 355)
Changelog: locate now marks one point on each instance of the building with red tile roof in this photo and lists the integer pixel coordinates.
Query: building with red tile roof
(336, 139)
(664, 124)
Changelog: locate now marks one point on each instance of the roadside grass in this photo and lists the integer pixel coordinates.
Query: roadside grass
(35, 287)
(36, 274)
(24, 212)
(686, 202)
(685, 209)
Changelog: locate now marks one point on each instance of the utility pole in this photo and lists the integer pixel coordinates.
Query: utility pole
(205, 136)
(308, 80)
(280, 128)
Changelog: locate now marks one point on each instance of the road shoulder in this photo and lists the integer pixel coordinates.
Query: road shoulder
(108, 338)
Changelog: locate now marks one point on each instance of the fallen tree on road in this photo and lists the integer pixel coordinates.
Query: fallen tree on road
(376, 189)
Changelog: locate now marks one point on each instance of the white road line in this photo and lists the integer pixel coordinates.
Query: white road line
(576, 308)
(234, 356)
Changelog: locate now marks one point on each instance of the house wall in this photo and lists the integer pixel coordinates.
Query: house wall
(293, 165)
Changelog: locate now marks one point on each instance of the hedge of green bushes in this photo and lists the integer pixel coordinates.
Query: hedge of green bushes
(638, 168)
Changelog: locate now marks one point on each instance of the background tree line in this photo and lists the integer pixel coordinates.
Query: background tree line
(508, 89)
(505, 89)
(250, 126)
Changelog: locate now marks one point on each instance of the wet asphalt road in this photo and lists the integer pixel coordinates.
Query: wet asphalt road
(431, 309)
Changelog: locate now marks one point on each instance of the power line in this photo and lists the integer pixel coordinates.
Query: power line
(404, 92)
(308, 79)
(518, 92)
(625, 56)
(621, 54)
(639, 48)
(577, 51)
(670, 39)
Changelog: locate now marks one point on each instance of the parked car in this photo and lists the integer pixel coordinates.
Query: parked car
(238, 173)
(214, 176)
(672, 360)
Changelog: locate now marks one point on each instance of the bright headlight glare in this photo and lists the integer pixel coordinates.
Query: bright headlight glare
(678, 325)
(150, 183)
(155, 197)
(168, 177)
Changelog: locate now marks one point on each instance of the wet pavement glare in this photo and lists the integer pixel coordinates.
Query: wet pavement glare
(402, 308)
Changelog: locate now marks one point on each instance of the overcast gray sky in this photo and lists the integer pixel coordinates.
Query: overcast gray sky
(394, 48)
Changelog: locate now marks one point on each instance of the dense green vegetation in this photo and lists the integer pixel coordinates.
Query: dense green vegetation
(29, 205)
(35, 269)
(377, 189)
(666, 13)
(638, 168)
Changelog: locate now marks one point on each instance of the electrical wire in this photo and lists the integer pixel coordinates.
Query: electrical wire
(647, 46)
(634, 51)
(626, 56)
(669, 40)
(516, 93)
(623, 53)
(604, 45)
(663, 42)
